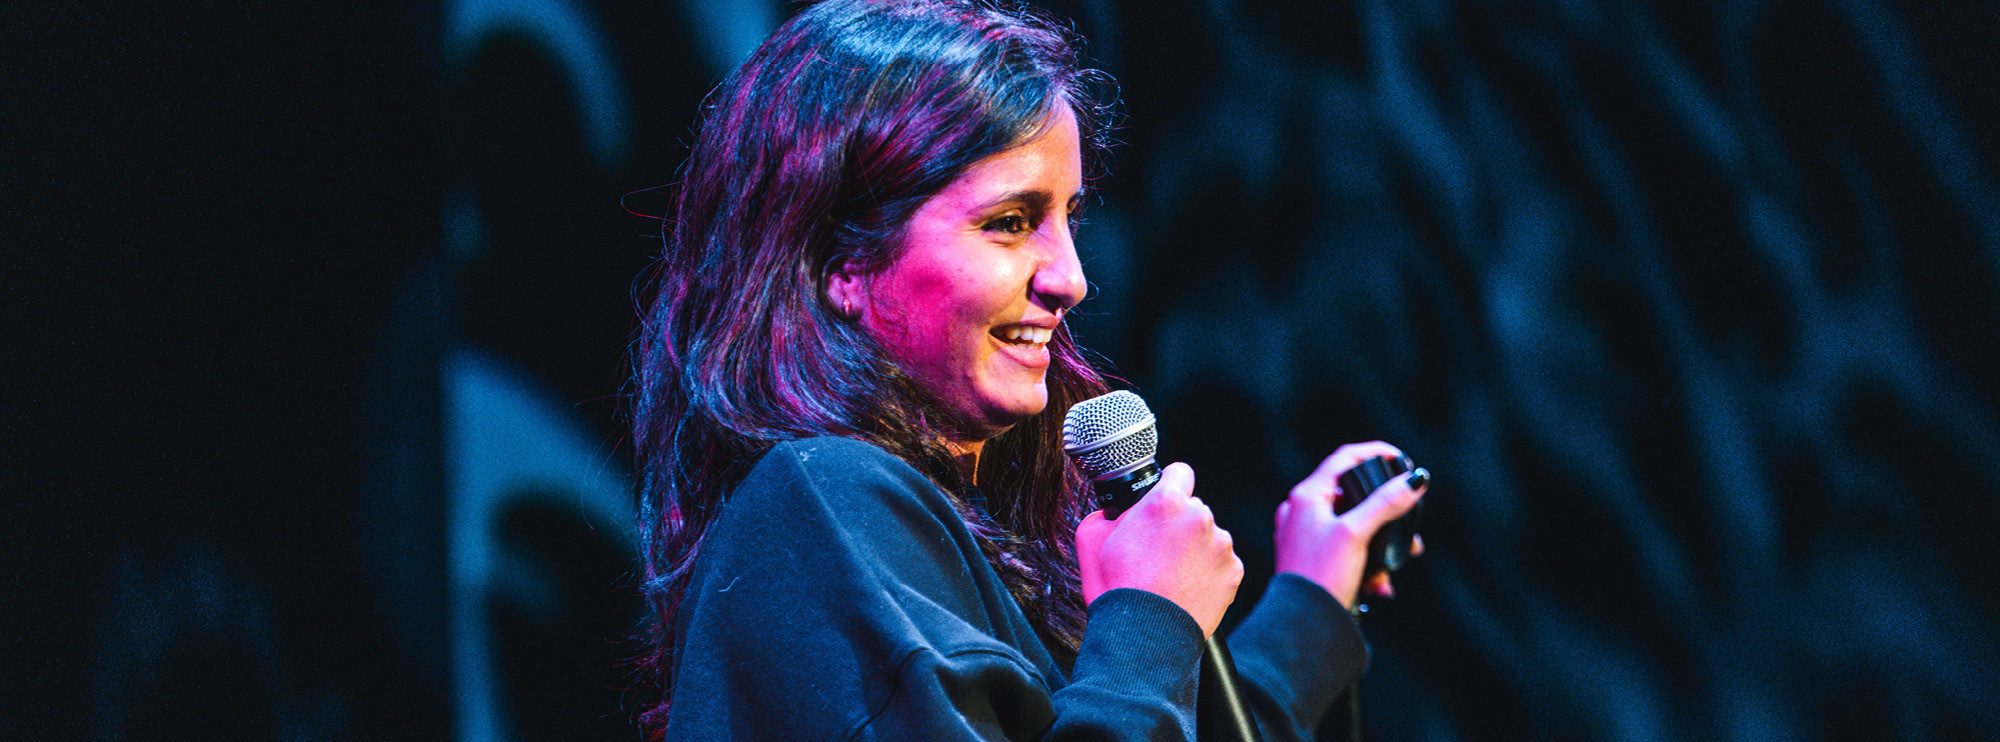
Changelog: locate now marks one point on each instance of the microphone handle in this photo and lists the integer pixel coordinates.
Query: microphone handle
(1117, 493)
(1220, 713)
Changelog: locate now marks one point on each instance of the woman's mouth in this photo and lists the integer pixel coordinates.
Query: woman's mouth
(1027, 345)
(1024, 334)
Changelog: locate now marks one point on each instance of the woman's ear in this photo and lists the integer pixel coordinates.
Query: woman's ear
(844, 292)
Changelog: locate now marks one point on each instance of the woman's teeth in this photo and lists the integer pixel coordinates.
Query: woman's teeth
(1026, 334)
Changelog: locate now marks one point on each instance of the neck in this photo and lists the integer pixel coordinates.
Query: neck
(966, 454)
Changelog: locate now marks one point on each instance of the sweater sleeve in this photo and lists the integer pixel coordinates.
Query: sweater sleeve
(839, 596)
(1135, 673)
(1296, 652)
(1134, 680)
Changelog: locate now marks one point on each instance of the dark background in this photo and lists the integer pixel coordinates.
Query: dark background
(315, 317)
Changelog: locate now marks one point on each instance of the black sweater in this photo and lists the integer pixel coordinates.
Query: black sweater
(840, 596)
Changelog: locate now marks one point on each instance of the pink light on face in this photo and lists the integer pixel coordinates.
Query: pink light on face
(987, 269)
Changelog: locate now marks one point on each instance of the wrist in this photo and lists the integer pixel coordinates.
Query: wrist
(1347, 594)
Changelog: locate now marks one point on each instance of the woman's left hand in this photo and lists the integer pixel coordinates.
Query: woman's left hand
(1332, 550)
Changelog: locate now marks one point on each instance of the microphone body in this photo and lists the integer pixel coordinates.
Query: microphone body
(1117, 493)
(1113, 438)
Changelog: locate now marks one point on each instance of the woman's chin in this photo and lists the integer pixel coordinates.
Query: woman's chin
(1031, 401)
(999, 416)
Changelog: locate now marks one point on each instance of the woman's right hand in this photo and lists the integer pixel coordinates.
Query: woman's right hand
(1166, 544)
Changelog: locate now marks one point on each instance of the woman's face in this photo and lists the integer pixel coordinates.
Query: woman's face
(986, 272)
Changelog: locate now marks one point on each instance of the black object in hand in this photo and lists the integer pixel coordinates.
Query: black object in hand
(1391, 546)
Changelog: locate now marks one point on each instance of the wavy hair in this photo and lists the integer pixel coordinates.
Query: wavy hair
(810, 156)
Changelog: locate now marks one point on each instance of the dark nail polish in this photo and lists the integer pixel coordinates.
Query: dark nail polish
(1419, 478)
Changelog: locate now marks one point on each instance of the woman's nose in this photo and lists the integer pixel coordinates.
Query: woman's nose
(1059, 281)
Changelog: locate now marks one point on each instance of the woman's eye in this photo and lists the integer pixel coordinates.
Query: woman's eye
(1010, 224)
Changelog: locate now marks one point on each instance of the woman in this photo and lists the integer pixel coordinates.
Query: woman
(857, 517)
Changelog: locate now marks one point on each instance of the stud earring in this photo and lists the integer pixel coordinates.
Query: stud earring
(847, 308)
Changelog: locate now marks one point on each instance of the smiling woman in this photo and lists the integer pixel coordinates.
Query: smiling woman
(988, 268)
(858, 520)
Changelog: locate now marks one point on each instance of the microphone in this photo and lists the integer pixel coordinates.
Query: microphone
(1114, 440)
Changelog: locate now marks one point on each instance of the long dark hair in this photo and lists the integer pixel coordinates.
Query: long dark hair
(812, 156)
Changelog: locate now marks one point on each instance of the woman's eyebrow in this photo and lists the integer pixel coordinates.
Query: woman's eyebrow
(1034, 198)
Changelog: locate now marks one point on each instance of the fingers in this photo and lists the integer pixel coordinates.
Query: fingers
(1174, 491)
(1326, 477)
(1378, 585)
(1094, 528)
(1090, 535)
(1390, 501)
(1172, 500)
(1176, 480)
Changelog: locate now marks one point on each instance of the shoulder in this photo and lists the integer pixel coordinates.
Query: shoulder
(833, 456)
(842, 489)
(831, 525)
(833, 468)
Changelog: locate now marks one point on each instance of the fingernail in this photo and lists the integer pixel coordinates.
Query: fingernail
(1419, 478)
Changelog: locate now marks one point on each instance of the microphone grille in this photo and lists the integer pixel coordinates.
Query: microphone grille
(1110, 433)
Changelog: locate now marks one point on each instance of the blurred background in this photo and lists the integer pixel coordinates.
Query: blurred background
(315, 319)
